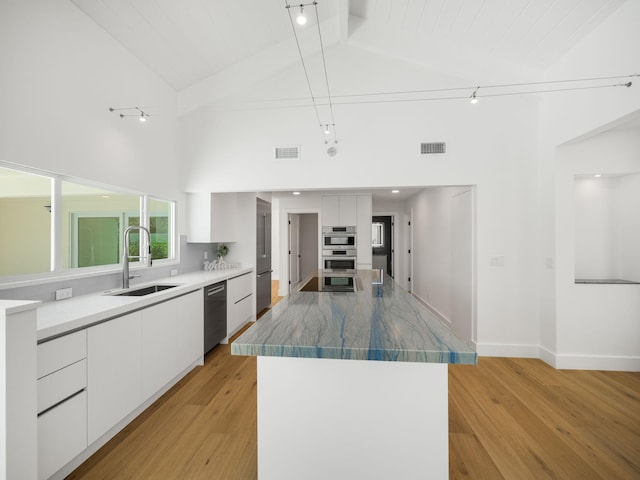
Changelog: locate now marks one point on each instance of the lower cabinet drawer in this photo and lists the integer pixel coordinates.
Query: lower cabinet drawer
(62, 434)
(60, 352)
(238, 314)
(239, 287)
(61, 384)
(244, 308)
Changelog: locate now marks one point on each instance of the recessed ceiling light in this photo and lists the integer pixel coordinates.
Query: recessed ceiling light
(597, 175)
(296, 193)
(395, 191)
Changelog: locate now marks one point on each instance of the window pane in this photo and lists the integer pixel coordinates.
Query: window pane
(25, 223)
(93, 223)
(160, 221)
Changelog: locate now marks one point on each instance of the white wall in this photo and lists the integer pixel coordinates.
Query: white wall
(608, 50)
(627, 223)
(443, 260)
(60, 75)
(611, 49)
(597, 325)
(491, 145)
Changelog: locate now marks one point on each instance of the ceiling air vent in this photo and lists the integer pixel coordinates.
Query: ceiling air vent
(287, 153)
(433, 148)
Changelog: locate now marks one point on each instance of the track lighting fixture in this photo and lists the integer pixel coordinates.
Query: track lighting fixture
(142, 116)
(326, 129)
(301, 19)
(473, 98)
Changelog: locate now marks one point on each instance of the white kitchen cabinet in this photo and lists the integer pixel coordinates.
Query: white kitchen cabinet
(62, 401)
(189, 329)
(239, 302)
(114, 380)
(60, 352)
(212, 217)
(363, 232)
(330, 210)
(62, 434)
(159, 363)
(339, 210)
(172, 339)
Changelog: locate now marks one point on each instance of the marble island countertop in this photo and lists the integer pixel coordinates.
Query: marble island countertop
(381, 322)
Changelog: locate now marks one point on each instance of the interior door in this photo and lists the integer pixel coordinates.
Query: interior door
(382, 244)
(294, 249)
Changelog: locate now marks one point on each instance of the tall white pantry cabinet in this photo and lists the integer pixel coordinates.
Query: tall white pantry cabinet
(348, 211)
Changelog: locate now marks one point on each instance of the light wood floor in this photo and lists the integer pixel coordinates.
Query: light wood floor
(508, 419)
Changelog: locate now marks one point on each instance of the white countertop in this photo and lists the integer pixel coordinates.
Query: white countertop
(60, 317)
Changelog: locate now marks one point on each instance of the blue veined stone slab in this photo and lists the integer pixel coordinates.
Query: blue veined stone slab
(382, 322)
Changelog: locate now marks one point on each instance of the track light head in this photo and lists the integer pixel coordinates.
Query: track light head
(142, 117)
(473, 98)
(301, 19)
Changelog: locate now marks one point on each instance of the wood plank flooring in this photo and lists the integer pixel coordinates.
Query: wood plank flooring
(508, 419)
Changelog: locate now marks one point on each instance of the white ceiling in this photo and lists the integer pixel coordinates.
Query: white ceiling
(188, 41)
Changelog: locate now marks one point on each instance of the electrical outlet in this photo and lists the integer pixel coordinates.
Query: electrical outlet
(173, 272)
(206, 254)
(64, 293)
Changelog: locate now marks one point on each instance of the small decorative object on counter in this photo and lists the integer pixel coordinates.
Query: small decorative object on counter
(222, 251)
(220, 264)
(209, 266)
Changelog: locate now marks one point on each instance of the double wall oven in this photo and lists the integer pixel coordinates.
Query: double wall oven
(339, 249)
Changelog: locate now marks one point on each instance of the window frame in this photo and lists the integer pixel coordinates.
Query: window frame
(57, 271)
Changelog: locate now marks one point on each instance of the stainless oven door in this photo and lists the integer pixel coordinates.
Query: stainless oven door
(339, 263)
(338, 240)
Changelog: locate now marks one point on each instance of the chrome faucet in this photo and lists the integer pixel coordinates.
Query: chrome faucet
(126, 256)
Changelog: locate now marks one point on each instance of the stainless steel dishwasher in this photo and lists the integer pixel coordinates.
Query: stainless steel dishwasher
(215, 314)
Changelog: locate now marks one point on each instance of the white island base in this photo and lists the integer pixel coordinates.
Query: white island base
(326, 418)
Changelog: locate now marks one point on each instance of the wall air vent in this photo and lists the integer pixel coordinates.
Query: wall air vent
(433, 148)
(287, 153)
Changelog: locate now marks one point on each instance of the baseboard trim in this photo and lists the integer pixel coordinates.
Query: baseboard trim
(597, 362)
(507, 350)
(560, 361)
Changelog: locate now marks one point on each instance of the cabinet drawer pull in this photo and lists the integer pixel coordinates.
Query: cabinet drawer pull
(213, 291)
(62, 401)
(247, 296)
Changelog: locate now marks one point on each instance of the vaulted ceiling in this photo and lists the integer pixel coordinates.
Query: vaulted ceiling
(188, 41)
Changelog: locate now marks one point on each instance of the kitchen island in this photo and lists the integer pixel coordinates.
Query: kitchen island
(353, 385)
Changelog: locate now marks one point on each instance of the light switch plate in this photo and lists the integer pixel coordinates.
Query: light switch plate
(496, 260)
(64, 293)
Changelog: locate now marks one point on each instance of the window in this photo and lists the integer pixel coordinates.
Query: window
(50, 223)
(160, 219)
(93, 223)
(25, 223)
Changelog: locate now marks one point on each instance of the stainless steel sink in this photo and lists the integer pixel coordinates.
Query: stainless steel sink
(139, 292)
